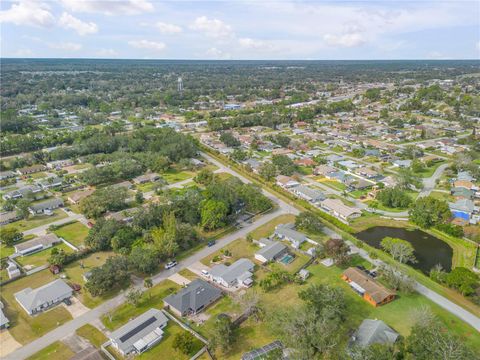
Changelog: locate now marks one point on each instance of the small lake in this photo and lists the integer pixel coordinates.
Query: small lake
(429, 250)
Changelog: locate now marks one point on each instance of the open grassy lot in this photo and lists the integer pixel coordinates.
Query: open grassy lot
(240, 248)
(268, 229)
(442, 196)
(165, 350)
(75, 233)
(25, 328)
(173, 175)
(368, 220)
(37, 220)
(152, 298)
(378, 205)
(41, 258)
(92, 334)
(428, 171)
(337, 185)
(75, 271)
(57, 350)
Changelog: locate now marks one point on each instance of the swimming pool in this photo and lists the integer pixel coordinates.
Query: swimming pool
(287, 259)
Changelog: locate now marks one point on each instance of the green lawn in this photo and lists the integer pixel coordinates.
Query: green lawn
(75, 271)
(268, 229)
(442, 196)
(172, 176)
(378, 205)
(75, 233)
(152, 298)
(240, 248)
(92, 334)
(165, 350)
(9, 250)
(56, 350)
(41, 258)
(37, 220)
(25, 328)
(359, 193)
(337, 185)
(428, 171)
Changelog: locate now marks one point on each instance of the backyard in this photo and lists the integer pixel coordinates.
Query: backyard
(37, 220)
(75, 233)
(40, 258)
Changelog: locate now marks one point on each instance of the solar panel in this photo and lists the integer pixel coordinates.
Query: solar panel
(138, 329)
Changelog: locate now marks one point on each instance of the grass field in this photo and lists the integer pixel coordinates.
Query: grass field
(336, 185)
(92, 334)
(428, 171)
(268, 229)
(41, 258)
(152, 298)
(37, 220)
(172, 176)
(75, 233)
(240, 248)
(25, 328)
(56, 350)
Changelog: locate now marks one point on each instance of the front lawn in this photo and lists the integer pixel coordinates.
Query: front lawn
(268, 229)
(75, 233)
(57, 350)
(23, 327)
(92, 334)
(240, 248)
(152, 298)
(172, 176)
(37, 220)
(41, 258)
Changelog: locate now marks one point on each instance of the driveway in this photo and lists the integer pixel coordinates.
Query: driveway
(7, 343)
(179, 279)
(77, 308)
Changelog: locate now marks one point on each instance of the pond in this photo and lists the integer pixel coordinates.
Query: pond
(429, 250)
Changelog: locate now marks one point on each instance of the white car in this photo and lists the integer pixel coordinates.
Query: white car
(170, 265)
(205, 273)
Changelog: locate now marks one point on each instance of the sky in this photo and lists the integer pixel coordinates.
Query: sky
(277, 30)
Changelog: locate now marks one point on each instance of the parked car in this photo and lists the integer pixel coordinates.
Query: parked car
(170, 264)
(90, 224)
(67, 302)
(205, 273)
(211, 243)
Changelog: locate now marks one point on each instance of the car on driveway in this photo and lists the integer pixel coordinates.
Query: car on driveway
(211, 243)
(170, 265)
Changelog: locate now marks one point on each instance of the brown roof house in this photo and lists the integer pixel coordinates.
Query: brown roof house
(371, 291)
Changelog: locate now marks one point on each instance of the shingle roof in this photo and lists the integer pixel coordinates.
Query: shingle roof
(32, 299)
(376, 291)
(232, 272)
(45, 240)
(197, 294)
(374, 332)
(285, 230)
(55, 202)
(270, 251)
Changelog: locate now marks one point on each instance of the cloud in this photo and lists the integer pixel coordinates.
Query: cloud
(24, 53)
(165, 28)
(345, 40)
(65, 46)
(27, 12)
(251, 43)
(109, 7)
(68, 21)
(147, 44)
(217, 54)
(108, 53)
(212, 28)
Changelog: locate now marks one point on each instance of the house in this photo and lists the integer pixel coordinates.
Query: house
(366, 172)
(464, 184)
(139, 334)
(462, 193)
(6, 175)
(123, 184)
(286, 181)
(4, 322)
(358, 184)
(22, 192)
(255, 165)
(465, 176)
(324, 170)
(402, 163)
(193, 299)
(337, 208)
(12, 270)
(8, 217)
(389, 181)
(287, 232)
(307, 193)
(50, 183)
(373, 332)
(281, 151)
(44, 297)
(271, 252)
(371, 291)
(462, 208)
(78, 196)
(31, 169)
(59, 164)
(142, 179)
(125, 216)
(333, 158)
(238, 274)
(45, 206)
(263, 352)
(349, 164)
(305, 162)
(304, 274)
(37, 244)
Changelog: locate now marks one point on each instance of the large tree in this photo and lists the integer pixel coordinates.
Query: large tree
(401, 250)
(222, 334)
(213, 214)
(429, 211)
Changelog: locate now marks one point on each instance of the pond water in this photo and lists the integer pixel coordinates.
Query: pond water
(429, 250)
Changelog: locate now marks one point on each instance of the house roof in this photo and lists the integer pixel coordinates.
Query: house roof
(133, 331)
(376, 291)
(79, 195)
(339, 207)
(197, 294)
(3, 319)
(45, 240)
(374, 332)
(270, 251)
(464, 205)
(31, 299)
(287, 231)
(309, 192)
(232, 272)
(47, 204)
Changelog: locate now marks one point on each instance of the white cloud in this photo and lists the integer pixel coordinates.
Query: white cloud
(165, 28)
(68, 21)
(109, 7)
(217, 54)
(251, 43)
(108, 53)
(213, 28)
(147, 44)
(345, 40)
(28, 12)
(65, 46)
(24, 53)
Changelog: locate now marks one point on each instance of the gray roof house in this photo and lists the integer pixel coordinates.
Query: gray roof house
(271, 252)
(286, 231)
(4, 322)
(373, 332)
(46, 205)
(140, 334)
(239, 273)
(20, 193)
(192, 299)
(50, 182)
(36, 244)
(44, 297)
(309, 194)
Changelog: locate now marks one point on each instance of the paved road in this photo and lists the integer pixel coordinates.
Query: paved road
(429, 183)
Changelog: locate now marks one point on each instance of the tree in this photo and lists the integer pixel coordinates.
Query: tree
(139, 197)
(221, 335)
(337, 249)
(100, 235)
(250, 304)
(284, 164)
(309, 222)
(394, 197)
(204, 177)
(103, 200)
(268, 171)
(239, 155)
(372, 352)
(228, 139)
(134, 296)
(22, 208)
(417, 166)
(148, 283)
(396, 279)
(401, 250)
(144, 260)
(406, 179)
(325, 301)
(113, 274)
(165, 237)
(213, 214)
(429, 211)
(123, 239)
(184, 342)
(10, 235)
(463, 279)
